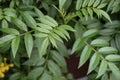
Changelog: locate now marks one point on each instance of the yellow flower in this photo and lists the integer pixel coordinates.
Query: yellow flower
(2, 75)
(11, 65)
(3, 69)
(5, 59)
(4, 66)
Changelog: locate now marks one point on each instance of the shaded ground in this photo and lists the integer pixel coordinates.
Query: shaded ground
(72, 63)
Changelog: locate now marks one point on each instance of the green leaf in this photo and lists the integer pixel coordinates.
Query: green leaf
(103, 68)
(9, 10)
(107, 50)
(94, 61)
(105, 77)
(90, 33)
(64, 31)
(15, 76)
(10, 13)
(55, 36)
(78, 44)
(97, 12)
(85, 3)
(31, 13)
(117, 42)
(28, 39)
(78, 4)
(62, 49)
(4, 24)
(109, 5)
(5, 46)
(79, 30)
(115, 70)
(80, 15)
(8, 18)
(52, 40)
(113, 44)
(59, 60)
(47, 21)
(114, 24)
(60, 34)
(115, 8)
(12, 4)
(1, 11)
(51, 20)
(42, 30)
(85, 55)
(67, 27)
(15, 45)
(6, 38)
(28, 19)
(113, 57)
(44, 26)
(38, 42)
(35, 73)
(54, 68)
(91, 2)
(96, 3)
(1, 14)
(105, 15)
(34, 60)
(44, 46)
(40, 35)
(20, 24)
(99, 43)
(61, 4)
(59, 78)
(85, 13)
(10, 31)
(113, 77)
(106, 32)
(94, 24)
(107, 38)
(67, 4)
(45, 76)
(23, 77)
(102, 5)
(38, 12)
(90, 11)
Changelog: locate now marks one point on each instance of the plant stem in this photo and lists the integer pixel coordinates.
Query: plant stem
(47, 56)
(96, 52)
(26, 32)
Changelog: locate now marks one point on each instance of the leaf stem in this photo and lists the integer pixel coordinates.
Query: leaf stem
(62, 13)
(47, 56)
(93, 49)
(27, 32)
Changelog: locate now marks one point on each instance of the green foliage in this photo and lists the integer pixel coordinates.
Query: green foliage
(85, 55)
(88, 7)
(36, 34)
(94, 61)
(104, 52)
